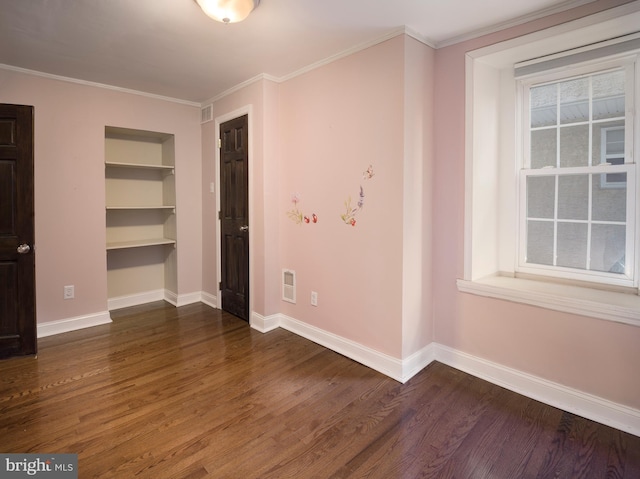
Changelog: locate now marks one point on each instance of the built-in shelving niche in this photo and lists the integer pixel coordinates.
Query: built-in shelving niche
(140, 216)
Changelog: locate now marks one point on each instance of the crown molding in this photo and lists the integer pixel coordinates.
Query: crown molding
(77, 81)
(342, 54)
(325, 61)
(240, 86)
(561, 7)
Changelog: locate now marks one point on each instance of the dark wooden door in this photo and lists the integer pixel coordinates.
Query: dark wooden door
(234, 216)
(17, 259)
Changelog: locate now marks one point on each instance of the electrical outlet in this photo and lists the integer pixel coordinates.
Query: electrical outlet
(314, 298)
(69, 292)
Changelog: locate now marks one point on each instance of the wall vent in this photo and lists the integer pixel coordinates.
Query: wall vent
(289, 286)
(206, 114)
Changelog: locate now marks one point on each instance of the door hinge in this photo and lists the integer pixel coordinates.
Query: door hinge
(219, 215)
(220, 285)
(219, 142)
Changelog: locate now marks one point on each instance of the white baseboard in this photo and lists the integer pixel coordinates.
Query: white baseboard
(264, 324)
(71, 324)
(554, 394)
(400, 370)
(96, 319)
(184, 299)
(381, 362)
(136, 299)
(418, 361)
(170, 297)
(209, 299)
(156, 295)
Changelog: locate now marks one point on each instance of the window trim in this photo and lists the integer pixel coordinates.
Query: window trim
(490, 207)
(608, 305)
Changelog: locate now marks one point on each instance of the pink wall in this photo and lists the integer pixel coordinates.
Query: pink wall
(70, 192)
(335, 121)
(417, 307)
(271, 200)
(588, 354)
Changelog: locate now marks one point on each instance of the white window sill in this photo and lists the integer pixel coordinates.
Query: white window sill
(609, 305)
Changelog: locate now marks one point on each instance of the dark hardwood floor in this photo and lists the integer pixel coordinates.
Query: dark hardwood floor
(192, 392)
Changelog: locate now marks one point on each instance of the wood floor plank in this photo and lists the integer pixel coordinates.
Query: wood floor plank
(630, 452)
(527, 435)
(192, 392)
(487, 440)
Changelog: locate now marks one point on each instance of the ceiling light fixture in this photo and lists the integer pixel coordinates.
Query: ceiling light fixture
(228, 11)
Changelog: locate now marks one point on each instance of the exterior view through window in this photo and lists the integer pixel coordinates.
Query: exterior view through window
(577, 185)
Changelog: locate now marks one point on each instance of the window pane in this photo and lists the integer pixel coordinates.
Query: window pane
(608, 248)
(544, 105)
(614, 141)
(614, 180)
(543, 148)
(609, 197)
(574, 101)
(573, 197)
(574, 146)
(541, 196)
(572, 245)
(608, 95)
(540, 242)
(608, 142)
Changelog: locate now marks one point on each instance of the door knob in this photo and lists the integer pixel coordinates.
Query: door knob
(23, 248)
(244, 228)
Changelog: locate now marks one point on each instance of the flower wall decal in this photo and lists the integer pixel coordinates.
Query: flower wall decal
(296, 215)
(349, 217)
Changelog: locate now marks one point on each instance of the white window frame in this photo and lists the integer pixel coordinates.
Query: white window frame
(491, 168)
(629, 278)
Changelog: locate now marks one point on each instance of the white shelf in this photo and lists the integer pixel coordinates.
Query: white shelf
(139, 243)
(140, 212)
(114, 164)
(124, 208)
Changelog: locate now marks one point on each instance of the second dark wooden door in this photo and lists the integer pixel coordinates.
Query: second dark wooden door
(17, 259)
(234, 216)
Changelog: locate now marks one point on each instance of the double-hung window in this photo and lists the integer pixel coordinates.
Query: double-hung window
(552, 191)
(577, 184)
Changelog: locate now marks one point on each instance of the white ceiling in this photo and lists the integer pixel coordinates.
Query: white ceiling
(170, 48)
